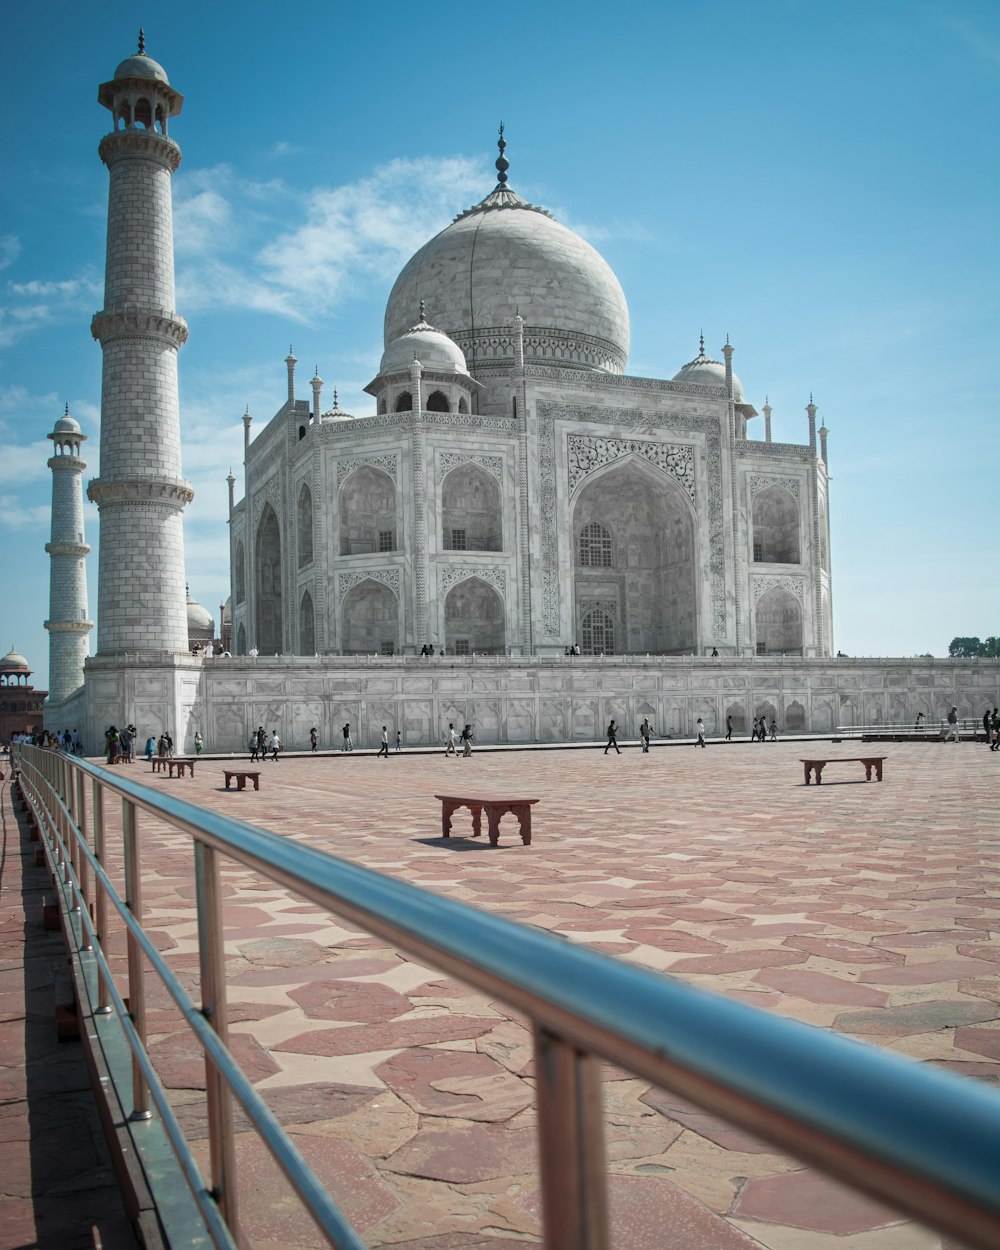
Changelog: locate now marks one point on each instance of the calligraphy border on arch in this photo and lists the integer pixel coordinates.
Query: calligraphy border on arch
(589, 452)
(387, 463)
(347, 581)
(794, 584)
(689, 423)
(449, 460)
(759, 482)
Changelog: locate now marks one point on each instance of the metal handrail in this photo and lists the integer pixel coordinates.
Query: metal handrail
(916, 1137)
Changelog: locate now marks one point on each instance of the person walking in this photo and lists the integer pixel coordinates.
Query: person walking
(468, 737)
(199, 743)
(919, 726)
(261, 742)
(645, 729)
(384, 748)
(452, 748)
(150, 748)
(399, 739)
(729, 729)
(275, 745)
(762, 729)
(953, 726)
(313, 738)
(995, 730)
(699, 728)
(612, 738)
(348, 744)
(986, 726)
(774, 730)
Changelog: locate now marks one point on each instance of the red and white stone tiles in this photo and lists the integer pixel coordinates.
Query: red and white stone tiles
(869, 908)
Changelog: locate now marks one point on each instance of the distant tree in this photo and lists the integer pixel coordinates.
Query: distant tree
(965, 648)
(991, 647)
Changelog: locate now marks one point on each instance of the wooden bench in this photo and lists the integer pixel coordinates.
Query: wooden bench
(869, 762)
(179, 765)
(159, 763)
(495, 808)
(241, 778)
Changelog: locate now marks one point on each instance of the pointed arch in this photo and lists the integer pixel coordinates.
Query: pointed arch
(304, 518)
(404, 402)
(775, 526)
(597, 631)
(307, 625)
(240, 574)
(367, 512)
(471, 513)
(370, 620)
(241, 641)
(268, 584)
(437, 401)
(474, 619)
(633, 535)
(778, 621)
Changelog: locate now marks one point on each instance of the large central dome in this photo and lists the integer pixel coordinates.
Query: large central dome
(502, 257)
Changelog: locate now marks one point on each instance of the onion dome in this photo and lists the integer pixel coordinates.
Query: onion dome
(505, 256)
(142, 66)
(336, 413)
(704, 371)
(12, 662)
(67, 424)
(199, 619)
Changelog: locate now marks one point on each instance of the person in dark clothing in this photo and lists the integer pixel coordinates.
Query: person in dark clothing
(729, 729)
(384, 748)
(313, 738)
(612, 738)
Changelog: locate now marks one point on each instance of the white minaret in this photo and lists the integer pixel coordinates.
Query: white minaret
(140, 494)
(68, 625)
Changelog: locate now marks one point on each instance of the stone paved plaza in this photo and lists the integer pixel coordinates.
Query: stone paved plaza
(868, 908)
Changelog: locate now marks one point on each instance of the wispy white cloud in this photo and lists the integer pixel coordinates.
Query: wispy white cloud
(10, 249)
(266, 247)
(15, 516)
(31, 305)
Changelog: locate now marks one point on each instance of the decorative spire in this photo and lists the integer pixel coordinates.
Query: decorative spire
(291, 354)
(336, 401)
(66, 413)
(701, 343)
(503, 164)
(142, 42)
(422, 311)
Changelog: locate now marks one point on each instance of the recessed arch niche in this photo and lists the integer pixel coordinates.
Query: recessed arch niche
(471, 517)
(367, 512)
(370, 620)
(304, 518)
(268, 581)
(633, 548)
(241, 641)
(307, 625)
(474, 619)
(775, 526)
(240, 574)
(778, 620)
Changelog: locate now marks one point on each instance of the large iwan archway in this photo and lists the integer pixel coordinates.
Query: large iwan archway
(778, 620)
(474, 619)
(367, 513)
(633, 562)
(268, 584)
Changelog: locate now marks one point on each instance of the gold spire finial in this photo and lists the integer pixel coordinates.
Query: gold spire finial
(502, 163)
(142, 42)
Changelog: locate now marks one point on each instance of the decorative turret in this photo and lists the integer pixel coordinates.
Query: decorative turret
(140, 494)
(290, 363)
(811, 411)
(68, 622)
(767, 420)
(317, 389)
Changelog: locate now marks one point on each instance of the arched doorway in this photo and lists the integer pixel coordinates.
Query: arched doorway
(471, 518)
(241, 641)
(633, 562)
(240, 577)
(778, 618)
(775, 527)
(370, 620)
(268, 584)
(305, 525)
(367, 513)
(474, 619)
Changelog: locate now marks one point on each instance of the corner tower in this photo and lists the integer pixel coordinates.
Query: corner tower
(68, 623)
(140, 493)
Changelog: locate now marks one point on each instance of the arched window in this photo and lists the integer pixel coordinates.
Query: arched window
(370, 620)
(240, 575)
(739, 717)
(595, 546)
(471, 518)
(268, 581)
(597, 633)
(305, 525)
(513, 407)
(462, 405)
(241, 641)
(302, 432)
(778, 620)
(307, 626)
(404, 402)
(367, 513)
(437, 401)
(474, 619)
(795, 717)
(144, 114)
(775, 526)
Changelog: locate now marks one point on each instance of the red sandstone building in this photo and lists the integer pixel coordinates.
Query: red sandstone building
(20, 702)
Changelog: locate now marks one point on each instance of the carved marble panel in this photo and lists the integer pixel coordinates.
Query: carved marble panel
(586, 453)
(347, 581)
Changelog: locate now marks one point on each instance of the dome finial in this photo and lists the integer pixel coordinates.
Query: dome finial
(502, 163)
(422, 311)
(142, 42)
(701, 343)
(66, 413)
(336, 401)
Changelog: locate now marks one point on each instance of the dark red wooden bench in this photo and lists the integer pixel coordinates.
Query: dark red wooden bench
(495, 807)
(869, 762)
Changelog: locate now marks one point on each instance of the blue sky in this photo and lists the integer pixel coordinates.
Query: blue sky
(819, 181)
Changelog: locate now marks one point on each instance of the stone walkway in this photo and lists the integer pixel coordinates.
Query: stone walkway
(864, 907)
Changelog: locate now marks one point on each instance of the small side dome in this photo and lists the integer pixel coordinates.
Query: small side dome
(433, 348)
(336, 413)
(704, 371)
(12, 662)
(198, 618)
(67, 425)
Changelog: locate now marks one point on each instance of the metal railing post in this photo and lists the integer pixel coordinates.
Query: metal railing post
(79, 810)
(100, 897)
(570, 1145)
(211, 957)
(136, 985)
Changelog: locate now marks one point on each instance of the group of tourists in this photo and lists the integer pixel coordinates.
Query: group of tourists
(453, 737)
(264, 746)
(119, 744)
(991, 728)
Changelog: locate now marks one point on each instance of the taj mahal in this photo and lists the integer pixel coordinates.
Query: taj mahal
(573, 541)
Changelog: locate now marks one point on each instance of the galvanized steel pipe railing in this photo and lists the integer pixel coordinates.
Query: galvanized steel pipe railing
(916, 1137)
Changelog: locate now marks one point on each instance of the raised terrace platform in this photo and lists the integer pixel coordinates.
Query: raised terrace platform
(869, 909)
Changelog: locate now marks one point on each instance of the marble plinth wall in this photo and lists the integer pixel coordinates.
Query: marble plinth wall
(519, 700)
